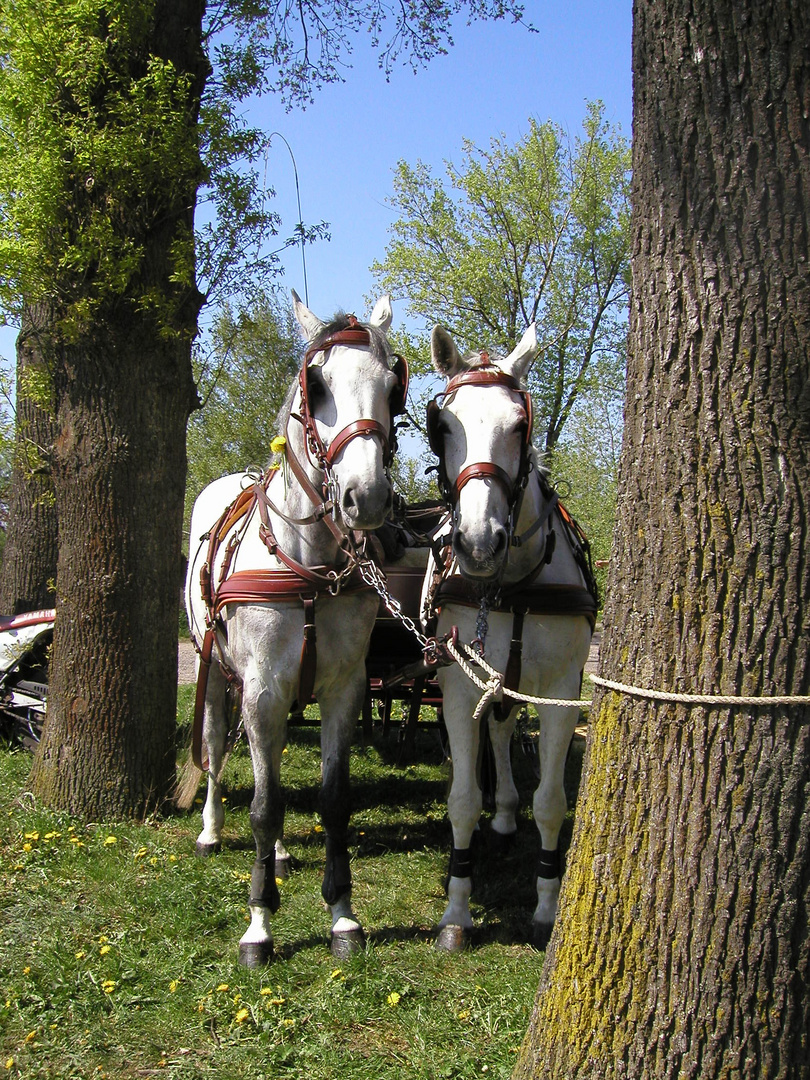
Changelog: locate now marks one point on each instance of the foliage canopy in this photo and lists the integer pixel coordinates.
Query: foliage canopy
(536, 232)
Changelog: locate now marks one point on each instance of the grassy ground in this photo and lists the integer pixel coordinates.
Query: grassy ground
(118, 947)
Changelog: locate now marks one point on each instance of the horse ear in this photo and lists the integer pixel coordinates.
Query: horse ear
(383, 314)
(309, 323)
(520, 358)
(443, 352)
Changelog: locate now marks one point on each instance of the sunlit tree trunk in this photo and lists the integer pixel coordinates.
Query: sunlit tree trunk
(28, 574)
(682, 947)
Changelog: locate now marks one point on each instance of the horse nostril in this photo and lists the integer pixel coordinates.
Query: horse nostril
(499, 543)
(349, 502)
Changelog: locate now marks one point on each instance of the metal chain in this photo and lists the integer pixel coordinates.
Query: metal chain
(373, 576)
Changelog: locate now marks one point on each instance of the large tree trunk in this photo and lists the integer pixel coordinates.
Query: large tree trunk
(683, 942)
(28, 574)
(108, 750)
(124, 391)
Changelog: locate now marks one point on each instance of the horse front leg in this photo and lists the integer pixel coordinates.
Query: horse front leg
(265, 724)
(215, 734)
(503, 826)
(464, 805)
(550, 806)
(339, 715)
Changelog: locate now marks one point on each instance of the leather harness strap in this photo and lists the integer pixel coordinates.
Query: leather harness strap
(534, 599)
(199, 700)
(511, 679)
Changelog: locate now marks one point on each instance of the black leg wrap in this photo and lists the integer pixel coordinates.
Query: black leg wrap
(549, 864)
(461, 863)
(263, 888)
(337, 878)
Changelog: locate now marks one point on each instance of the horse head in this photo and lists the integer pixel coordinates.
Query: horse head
(480, 428)
(348, 397)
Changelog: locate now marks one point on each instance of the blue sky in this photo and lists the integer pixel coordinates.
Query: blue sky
(348, 142)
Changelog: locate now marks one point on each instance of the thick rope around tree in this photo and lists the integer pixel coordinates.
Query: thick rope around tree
(493, 689)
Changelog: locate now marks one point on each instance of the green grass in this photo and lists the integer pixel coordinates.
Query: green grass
(118, 946)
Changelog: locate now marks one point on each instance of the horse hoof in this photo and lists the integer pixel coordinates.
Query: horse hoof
(452, 939)
(204, 850)
(255, 954)
(283, 868)
(541, 935)
(501, 843)
(346, 943)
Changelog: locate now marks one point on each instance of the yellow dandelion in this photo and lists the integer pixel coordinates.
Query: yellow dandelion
(108, 986)
(30, 1036)
(52, 835)
(318, 828)
(285, 750)
(242, 1015)
(32, 836)
(9, 1063)
(139, 854)
(26, 971)
(80, 955)
(394, 999)
(222, 988)
(173, 986)
(104, 950)
(172, 858)
(76, 841)
(277, 444)
(464, 1014)
(288, 1022)
(110, 840)
(27, 847)
(154, 860)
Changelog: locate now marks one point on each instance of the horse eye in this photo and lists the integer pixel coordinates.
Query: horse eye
(316, 388)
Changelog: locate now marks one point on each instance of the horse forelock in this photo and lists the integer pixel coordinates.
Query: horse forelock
(378, 342)
(473, 361)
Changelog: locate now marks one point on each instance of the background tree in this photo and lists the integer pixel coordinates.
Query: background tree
(254, 355)
(29, 553)
(682, 943)
(535, 232)
(106, 138)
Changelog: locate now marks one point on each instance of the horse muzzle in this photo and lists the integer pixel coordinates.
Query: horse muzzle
(365, 507)
(481, 557)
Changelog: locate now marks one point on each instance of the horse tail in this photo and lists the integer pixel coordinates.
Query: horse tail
(185, 788)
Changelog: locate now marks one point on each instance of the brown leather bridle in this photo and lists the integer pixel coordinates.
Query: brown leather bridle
(325, 456)
(485, 376)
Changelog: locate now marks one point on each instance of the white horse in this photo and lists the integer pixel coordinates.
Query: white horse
(272, 573)
(536, 619)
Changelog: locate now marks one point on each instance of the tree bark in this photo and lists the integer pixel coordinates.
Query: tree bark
(28, 574)
(123, 393)
(683, 946)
